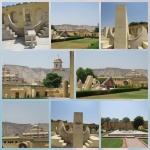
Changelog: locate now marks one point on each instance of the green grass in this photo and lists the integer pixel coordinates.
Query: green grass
(74, 44)
(104, 133)
(145, 141)
(111, 142)
(142, 94)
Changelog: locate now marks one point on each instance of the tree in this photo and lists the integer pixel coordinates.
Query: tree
(107, 119)
(83, 73)
(138, 121)
(89, 71)
(52, 27)
(126, 120)
(96, 29)
(102, 121)
(52, 80)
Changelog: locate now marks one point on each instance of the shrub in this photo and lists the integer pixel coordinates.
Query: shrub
(67, 39)
(101, 92)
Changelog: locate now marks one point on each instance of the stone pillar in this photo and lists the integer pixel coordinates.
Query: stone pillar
(65, 88)
(78, 130)
(105, 31)
(121, 28)
(71, 74)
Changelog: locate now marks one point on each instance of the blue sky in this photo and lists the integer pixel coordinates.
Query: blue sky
(131, 59)
(64, 110)
(121, 109)
(136, 12)
(25, 112)
(75, 13)
(10, 3)
(43, 59)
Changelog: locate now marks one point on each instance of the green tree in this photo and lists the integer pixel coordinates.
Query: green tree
(52, 27)
(102, 121)
(83, 73)
(126, 120)
(52, 80)
(107, 119)
(89, 71)
(138, 121)
(96, 29)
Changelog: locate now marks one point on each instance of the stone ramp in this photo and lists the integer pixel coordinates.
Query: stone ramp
(134, 143)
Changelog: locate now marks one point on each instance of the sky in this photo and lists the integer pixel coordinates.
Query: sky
(136, 12)
(32, 59)
(121, 109)
(75, 13)
(24, 112)
(10, 3)
(64, 110)
(132, 59)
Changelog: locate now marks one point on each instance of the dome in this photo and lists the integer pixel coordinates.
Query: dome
(58, 60)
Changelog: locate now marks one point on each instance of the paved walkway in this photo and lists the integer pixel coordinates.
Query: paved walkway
(134, 143)
(18, 44)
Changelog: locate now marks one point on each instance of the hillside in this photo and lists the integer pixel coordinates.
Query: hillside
(106, 72)
(31, 75)
(73, 27)
(13, 129)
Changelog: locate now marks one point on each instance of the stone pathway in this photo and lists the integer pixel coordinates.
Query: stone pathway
(18, 44)
(134, 143)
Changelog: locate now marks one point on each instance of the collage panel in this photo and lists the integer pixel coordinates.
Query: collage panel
(24, 125)
(74, 26)
(45, 75)
(124, 124)
(75, 124)
(112, 75)
(124, 25)
(25, 25)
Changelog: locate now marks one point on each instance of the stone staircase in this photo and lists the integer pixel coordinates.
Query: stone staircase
(105, 44)
(57, 142)
(92, 142)
(28, 27)
(8, 34)
(44, 32)
(143, 46)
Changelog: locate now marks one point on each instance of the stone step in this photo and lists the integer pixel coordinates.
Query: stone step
(42, 31)
(27, 43)
(28, 27)
(61, 141)
(145, 45)
(107, 47)
(45, 28)
(87, 145)
(28, 38)
(39, 34)
(27, 23)
(140, 47)
(89, 142)
(64, 144)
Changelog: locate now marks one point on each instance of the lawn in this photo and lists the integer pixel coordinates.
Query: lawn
(104, 133)
(142, 94)
(111, 142)
(145, 141)
(74, 44)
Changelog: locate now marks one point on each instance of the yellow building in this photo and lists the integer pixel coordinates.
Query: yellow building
(35, 138)
(121, 125)
(16, 12)
(68, 125)
(133, 78)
